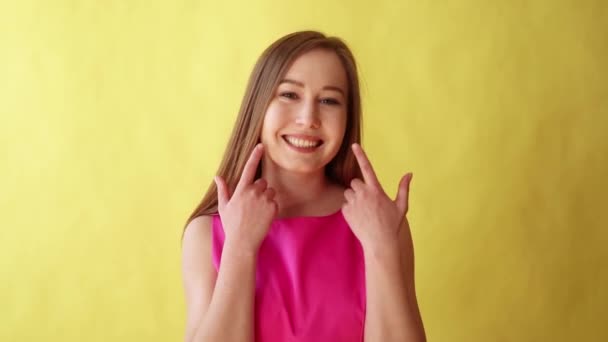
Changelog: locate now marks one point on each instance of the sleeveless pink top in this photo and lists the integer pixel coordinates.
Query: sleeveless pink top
(310, 280)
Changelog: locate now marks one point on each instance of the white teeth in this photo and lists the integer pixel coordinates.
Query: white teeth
(301, 142)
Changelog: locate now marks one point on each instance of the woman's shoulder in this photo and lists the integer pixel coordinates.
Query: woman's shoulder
(201, 221)
(199, 227)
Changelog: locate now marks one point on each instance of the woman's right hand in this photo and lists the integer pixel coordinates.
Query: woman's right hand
(248, 212)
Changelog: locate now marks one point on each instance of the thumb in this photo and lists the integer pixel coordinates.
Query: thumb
(403, 193)
(222, 191)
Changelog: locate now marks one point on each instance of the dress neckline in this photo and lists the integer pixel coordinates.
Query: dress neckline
(339, 211)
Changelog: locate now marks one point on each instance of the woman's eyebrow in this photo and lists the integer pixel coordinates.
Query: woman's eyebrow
(300, 84)
(338, 89)
(287, 80)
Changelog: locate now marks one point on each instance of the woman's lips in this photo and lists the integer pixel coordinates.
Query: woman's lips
(301, 144)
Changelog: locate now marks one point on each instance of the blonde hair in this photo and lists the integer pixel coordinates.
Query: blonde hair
(267, 73)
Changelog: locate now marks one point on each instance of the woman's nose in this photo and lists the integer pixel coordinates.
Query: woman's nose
(308, 115)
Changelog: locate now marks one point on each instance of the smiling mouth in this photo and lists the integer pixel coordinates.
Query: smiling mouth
(302, 143)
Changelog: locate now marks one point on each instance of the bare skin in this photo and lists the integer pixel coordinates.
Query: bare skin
(220, 305)
(381, 226)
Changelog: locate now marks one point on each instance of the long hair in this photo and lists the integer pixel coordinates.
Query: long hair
(265, 78)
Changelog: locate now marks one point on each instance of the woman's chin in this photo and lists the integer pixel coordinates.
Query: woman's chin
(299, 168)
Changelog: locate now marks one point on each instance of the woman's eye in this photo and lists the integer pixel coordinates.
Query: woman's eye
(330, 101)
(289, 95)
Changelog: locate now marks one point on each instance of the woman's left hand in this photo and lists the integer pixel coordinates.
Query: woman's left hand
(374, 218)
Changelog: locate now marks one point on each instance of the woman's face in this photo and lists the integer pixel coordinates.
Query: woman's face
(305, 121)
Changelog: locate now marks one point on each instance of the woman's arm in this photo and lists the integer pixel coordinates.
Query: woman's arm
(392, 308)
(219, 305)
(225, 309)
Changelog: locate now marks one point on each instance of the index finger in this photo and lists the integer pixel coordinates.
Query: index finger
(369, 176)
(251, 167)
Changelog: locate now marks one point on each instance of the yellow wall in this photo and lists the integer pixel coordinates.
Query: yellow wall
(113, 116)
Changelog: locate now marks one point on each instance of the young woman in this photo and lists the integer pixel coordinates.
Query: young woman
(295, 239)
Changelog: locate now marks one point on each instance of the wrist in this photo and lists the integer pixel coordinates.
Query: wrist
(381, 247)
(240, 248)
(381, 251)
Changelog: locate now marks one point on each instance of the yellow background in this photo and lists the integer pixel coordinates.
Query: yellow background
(114, 115)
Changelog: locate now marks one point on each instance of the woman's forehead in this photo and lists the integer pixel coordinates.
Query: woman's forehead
(318, 67)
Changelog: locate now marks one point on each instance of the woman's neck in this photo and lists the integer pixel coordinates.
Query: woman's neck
(301, 193)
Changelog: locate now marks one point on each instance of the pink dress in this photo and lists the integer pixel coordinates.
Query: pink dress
(310, 280)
